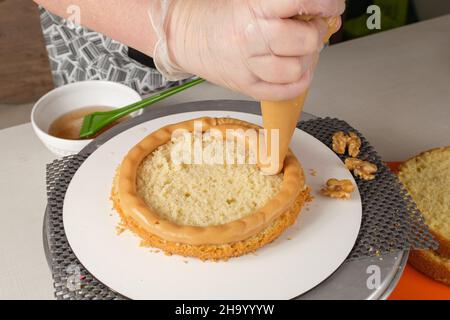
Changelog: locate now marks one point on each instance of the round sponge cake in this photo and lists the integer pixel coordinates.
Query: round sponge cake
(203, 194)
(205, 210)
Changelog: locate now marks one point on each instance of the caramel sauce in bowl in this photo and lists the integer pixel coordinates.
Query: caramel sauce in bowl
(56, 118)
(68, 125)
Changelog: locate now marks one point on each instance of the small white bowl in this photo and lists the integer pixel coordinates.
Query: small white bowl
(75, 96)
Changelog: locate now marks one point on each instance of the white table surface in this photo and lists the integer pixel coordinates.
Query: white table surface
(394, 87)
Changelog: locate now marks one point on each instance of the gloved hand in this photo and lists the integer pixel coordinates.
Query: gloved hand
(251, 46)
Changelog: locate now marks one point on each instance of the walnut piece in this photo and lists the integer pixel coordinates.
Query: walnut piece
(352, 163)
(339, 142)
(353, 143)
(339, 189)
(363, 169)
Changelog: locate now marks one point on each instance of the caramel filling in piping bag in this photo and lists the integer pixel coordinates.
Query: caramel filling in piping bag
(283, 116)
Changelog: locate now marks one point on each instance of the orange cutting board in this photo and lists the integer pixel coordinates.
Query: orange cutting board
(414, 285)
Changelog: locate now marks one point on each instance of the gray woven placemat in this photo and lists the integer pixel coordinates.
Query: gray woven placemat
(390, 221)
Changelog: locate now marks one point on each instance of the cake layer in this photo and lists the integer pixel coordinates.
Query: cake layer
(212, 193)
(197, 228)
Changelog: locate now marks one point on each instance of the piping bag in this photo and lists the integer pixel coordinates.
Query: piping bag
(283, 116)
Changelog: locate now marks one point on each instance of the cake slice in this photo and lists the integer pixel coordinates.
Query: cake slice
(432, 264)
(427, 179)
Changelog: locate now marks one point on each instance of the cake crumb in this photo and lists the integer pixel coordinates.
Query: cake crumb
(120, 228)
(310, 197)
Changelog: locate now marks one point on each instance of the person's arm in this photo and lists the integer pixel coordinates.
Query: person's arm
(251, 46)
(125, 21)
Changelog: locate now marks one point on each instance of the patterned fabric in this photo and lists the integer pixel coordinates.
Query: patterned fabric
(77, 53)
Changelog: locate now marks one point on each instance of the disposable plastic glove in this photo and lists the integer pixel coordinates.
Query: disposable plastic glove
(250, 46)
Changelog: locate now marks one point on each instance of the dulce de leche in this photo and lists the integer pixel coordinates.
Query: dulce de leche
(283, 116)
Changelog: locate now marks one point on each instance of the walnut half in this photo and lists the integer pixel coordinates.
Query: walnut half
(353, 143)
(340, 142)
(363, 169)
(339, 189)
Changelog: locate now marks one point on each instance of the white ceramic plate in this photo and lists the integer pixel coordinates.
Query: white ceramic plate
(305, 255)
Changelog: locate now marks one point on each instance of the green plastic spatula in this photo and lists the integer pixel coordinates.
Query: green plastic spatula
(94, 122)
